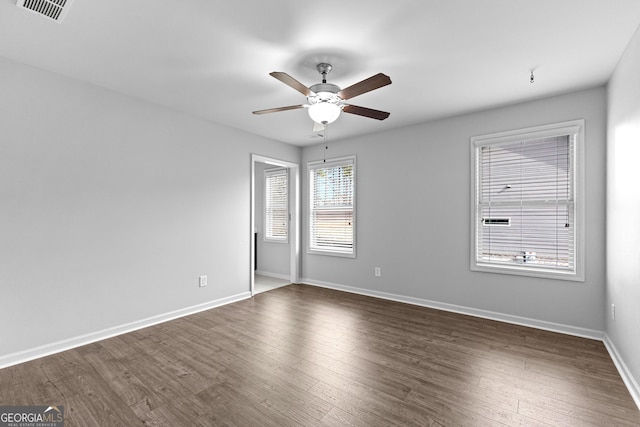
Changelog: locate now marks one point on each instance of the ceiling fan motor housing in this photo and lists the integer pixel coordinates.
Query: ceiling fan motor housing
(325, 87)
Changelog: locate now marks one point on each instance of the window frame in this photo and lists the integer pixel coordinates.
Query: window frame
(335, 162)
(573, 127)
(268, 173)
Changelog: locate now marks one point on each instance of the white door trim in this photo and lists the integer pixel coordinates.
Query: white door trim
(294, 209)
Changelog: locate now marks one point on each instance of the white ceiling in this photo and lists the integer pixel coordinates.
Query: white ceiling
(211, 59)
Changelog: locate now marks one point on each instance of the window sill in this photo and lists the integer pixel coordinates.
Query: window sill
(330, 253)
(529, 272)
(275, 241)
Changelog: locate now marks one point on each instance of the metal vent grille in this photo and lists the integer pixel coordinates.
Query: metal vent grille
(52, 9)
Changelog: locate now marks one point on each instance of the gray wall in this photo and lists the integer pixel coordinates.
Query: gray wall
(110, 208)
(273, 257)
(623, 209)
(413, 208)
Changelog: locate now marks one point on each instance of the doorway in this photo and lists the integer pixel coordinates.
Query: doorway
(289, 254)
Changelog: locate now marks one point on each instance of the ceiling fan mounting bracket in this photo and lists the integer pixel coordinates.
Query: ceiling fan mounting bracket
(324, 88)
(324, 69)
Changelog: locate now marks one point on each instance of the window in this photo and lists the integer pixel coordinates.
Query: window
(332, 207)
(527, 205)
(276, 202)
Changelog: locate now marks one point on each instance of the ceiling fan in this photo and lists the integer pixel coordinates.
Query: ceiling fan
(326, 100)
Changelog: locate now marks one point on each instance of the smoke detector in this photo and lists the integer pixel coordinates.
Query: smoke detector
(55, 10)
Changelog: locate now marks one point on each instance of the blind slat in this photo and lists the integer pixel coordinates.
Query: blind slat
(276, 204)
(331, 227)
(529, 182)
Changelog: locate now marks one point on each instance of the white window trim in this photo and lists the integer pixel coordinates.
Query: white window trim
(333, 162)
(576, 127)
(273, 172)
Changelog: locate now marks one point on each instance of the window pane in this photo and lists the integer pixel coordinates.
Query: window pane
(276, 205)
(526, 170)
(333, 186)
(525, 201)
(332, 229)
(331, 207)
(539, 236)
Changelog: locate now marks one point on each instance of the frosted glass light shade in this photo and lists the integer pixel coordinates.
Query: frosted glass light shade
(324, 112)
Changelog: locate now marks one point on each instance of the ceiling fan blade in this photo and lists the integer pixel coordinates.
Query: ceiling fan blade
(366, 112)
(367, 85)
(290, 81)
(275, 110)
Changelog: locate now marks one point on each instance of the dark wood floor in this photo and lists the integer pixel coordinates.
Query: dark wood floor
(302, 355)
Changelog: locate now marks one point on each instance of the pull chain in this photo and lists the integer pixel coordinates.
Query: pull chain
(326, 147)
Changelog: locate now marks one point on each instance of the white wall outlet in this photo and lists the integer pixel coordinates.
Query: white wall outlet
(202, 281)
(377, 272)
(613, 312)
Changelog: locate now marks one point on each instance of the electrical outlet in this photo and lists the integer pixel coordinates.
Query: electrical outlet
(613, 312)
(376, 272)
(202, 281)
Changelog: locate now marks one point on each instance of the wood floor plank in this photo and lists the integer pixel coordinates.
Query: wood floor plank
(469, 408)
(95, 402)
(295, 405)
(567, 415)
(549, 401)
(425, 377)
(25, 384)
(614, 399)
(305, 355)
(272, 361)
(360, 400)
(339, 418)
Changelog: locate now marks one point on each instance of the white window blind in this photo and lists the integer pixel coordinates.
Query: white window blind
(332, 207)
(525, 203)
(276, 212)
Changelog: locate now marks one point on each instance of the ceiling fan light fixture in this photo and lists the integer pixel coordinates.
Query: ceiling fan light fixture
(324, 112)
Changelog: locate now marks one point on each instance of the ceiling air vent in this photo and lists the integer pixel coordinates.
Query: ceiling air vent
(52, 9)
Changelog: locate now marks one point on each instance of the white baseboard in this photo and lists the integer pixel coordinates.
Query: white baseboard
(625, 373)
(485, 314)
(274, 275)
(56, 347)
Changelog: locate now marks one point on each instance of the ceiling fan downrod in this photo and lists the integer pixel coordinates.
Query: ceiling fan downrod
(324, 69)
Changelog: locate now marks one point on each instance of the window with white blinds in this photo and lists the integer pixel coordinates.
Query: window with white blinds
(332, 207)
(525, 210)
(276, 203)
